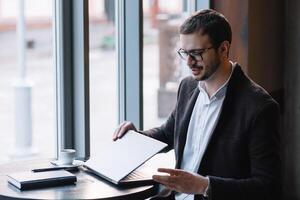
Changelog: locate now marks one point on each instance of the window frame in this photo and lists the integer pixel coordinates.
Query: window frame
(71, 57)
(129, 21)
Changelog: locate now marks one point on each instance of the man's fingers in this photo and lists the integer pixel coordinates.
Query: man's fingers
(117, 131)
(174, 172)
(124, 129)
(115, 136)
(165, 179)
(172, 187)
(171, 182)
(121, 132)
(161, 179)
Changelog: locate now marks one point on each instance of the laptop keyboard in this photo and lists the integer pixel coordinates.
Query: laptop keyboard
(136, 175)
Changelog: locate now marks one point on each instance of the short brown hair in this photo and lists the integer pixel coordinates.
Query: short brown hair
(209, 22)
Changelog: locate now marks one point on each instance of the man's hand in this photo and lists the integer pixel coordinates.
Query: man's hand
(182, 181)
(122, 129)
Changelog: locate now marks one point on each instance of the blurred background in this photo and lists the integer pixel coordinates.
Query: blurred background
(266, 36)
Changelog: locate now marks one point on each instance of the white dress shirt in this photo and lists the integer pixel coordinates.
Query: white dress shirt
(203, 121)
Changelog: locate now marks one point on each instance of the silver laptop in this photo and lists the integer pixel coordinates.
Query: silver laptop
(116, 161)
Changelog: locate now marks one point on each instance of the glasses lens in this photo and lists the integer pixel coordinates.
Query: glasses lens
(183, 54)
(197, 55)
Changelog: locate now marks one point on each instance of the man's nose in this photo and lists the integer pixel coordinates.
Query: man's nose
(190, 60)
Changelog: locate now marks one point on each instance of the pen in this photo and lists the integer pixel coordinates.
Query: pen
(53, 168)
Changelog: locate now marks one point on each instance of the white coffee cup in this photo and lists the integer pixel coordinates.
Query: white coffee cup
(66, 156)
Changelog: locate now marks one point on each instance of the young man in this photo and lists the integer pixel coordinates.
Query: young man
(224, 126)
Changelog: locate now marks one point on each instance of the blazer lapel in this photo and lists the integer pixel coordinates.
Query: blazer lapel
(225, 110)
(183, 127)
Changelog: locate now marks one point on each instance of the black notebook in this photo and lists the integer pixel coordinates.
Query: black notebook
(33, 180)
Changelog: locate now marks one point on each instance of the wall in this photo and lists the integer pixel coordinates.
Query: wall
(291, 135)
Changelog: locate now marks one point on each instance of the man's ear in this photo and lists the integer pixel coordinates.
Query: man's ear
(224, 48)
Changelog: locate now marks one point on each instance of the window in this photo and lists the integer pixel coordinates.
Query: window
(114, 75)
(27, 75)
(103, 72)
(163, 69)
(98, 79)
(114, 67)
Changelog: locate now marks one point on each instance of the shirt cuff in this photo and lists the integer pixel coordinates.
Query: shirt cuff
(206, 192)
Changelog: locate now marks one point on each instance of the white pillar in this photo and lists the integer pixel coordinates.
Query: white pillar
(22, 97)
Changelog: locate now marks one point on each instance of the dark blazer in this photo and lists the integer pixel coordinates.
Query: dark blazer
(242, 158)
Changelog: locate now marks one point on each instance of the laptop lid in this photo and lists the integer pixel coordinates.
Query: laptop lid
(117, 159)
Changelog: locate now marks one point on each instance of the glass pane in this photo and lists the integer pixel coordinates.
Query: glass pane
(163, 69)
(27, 108)
(103, 74)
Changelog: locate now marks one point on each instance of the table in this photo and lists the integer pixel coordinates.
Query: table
(87, 187)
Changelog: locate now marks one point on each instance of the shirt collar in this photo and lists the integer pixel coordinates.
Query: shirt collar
(222, 89)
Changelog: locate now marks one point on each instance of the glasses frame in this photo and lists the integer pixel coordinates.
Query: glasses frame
(194, 53)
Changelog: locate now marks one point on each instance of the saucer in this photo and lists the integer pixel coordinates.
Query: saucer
(58, 163)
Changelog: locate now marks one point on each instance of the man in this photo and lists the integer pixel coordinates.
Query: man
(224, 126)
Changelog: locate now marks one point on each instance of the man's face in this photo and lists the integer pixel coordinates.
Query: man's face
(201, 58)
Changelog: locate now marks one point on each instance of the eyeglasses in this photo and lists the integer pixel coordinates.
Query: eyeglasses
(196, 54)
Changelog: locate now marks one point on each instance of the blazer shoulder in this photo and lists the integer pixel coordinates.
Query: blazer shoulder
(257, 96)
(188, 83)
(259, 93)
(187, 87)
(247, 89)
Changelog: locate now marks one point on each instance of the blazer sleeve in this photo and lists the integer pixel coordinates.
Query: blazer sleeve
(264, 152)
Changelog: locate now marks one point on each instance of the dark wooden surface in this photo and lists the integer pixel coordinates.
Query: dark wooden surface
(87, 186)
